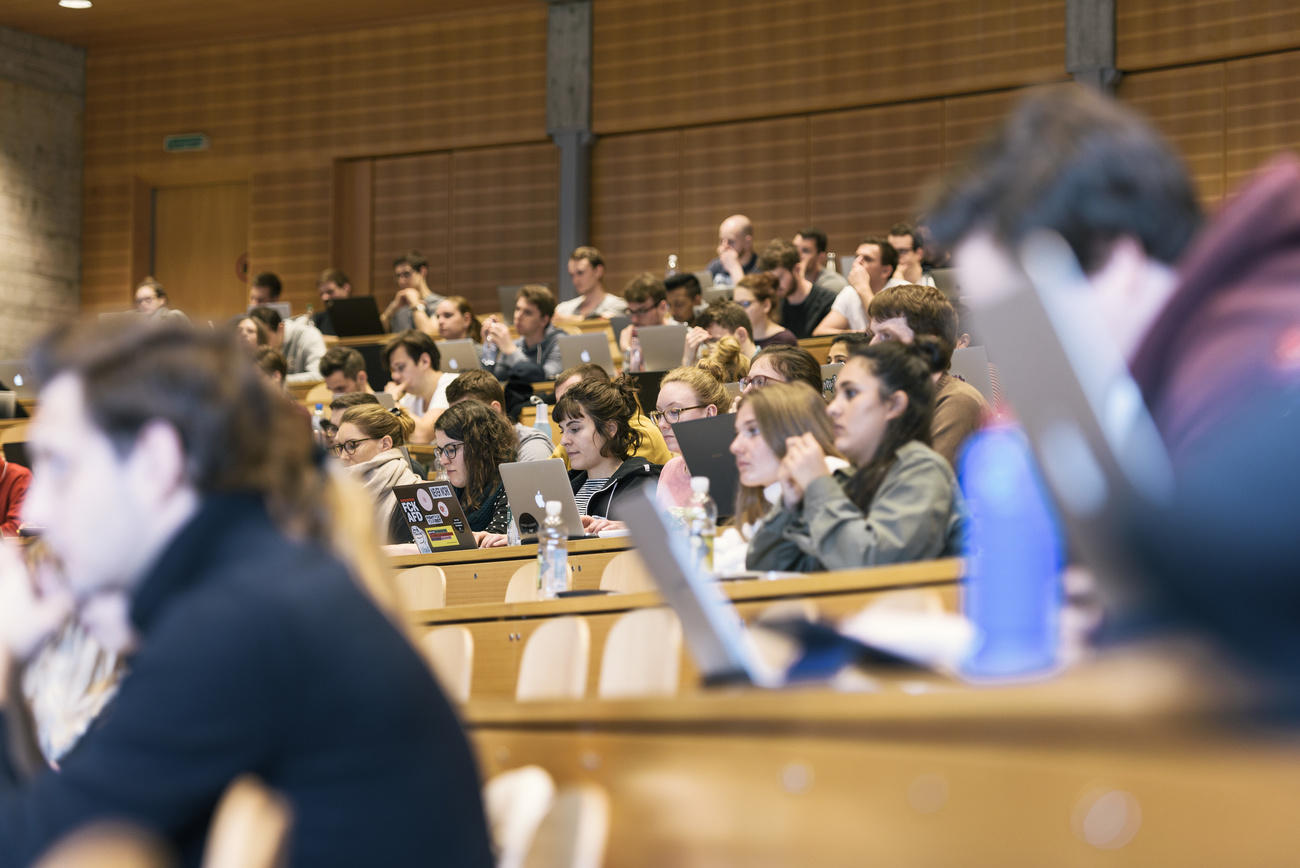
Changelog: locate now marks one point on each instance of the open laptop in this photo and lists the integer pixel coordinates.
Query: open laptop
(829, 373)
(16, 376)
(457, 356)
(529, 484)
(434, 517)
(592, 348)
(972, 365)
(355, 317)
(706, 447)
(506, 297)
(662, 346)
(647, 387)
(281, 307)
(714, 294)
(8, 404)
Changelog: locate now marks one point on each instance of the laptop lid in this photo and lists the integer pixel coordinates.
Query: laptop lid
(16, 453)
(356, 316)
(529, 484)
(8, 403)
(829, 373)
(586, 349)
(712, 294)
(706, 448)
(434, 517)
(617, 323)
(16, 376)
(972, 365)
(281, 307)
(662, 346)
(506, 297)
(457, 356)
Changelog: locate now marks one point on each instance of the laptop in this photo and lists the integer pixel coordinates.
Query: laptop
(733, 391)
(706, 448)
(16, 376)
(617, 323)
(662, 346)
(280, 307)
(457, 356)
(972, 365)
(529, 484)
(506, 297)
(592, 348)
(715, 294)
(355, 317)
(434, 517)
(829, 373)
(8, 404)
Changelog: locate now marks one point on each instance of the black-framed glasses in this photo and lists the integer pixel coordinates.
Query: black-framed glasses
(448, 452)
(757, 381)
(672, 414)
(641, 311)
(348, 446)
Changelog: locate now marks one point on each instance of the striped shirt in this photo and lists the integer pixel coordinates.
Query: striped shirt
(583, 495)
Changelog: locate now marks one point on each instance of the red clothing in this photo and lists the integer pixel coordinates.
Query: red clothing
(14, 479)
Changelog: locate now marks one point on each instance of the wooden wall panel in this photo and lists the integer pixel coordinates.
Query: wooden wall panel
(666, 63)
(1262, 107)
(201, 236)
(868, 168)
(636, 203)
(106, 246)
(759, 169)
(412, 200)
(289, 230)
(1152, 33)
(503, 220)
(1187, 106)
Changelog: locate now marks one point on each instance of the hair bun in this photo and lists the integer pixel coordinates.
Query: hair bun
(934, 352)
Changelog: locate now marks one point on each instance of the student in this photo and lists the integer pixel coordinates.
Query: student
(344, 370)
(722, 319)
(843, 346)
(595, 420)
(651, 448)
(647, 305)
(298, 341)
(251, 332)
(417, 384)
(782, 364)
(472, 440)
(757, 296)
(902, 502)
(367, 442)
(725, 360)
(684, 394)
(532, 444)
(684, 297)
(456, 321)
(587, 271)
(535, 355)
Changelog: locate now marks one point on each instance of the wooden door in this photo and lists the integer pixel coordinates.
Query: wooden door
(200, 241)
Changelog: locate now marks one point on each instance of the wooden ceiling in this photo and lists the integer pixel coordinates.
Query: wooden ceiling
(121, 23)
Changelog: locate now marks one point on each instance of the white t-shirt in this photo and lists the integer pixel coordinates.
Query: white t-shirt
(417, 406)
(610, 305)
(899, 280)
(849, 305)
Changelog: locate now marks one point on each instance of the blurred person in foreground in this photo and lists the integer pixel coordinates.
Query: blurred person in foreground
(226, 561)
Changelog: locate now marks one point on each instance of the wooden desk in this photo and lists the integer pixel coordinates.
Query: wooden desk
(500, 630)
(1119, 765)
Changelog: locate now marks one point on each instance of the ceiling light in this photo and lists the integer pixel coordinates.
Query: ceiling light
(76, 4)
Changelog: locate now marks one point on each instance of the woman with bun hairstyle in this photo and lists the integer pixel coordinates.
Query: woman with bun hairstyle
(684, 394)
(900, 503)
(471, 440)
(596, 431)
(367, 442)
(725, 360)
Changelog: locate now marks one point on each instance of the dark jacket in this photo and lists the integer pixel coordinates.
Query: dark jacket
(631, 475)
(261, 654)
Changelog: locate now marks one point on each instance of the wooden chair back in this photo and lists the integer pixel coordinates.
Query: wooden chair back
(422, 587)
(574, 833)
(554, 662)
(450, 653)
(642, 655)
(516, 802)
(626, 573)
(523, 584)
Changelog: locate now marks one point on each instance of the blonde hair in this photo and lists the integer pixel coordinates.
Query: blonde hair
(725, 361)
(707, 387)
(375, 421)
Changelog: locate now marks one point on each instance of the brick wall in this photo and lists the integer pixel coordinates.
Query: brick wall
(42, 100)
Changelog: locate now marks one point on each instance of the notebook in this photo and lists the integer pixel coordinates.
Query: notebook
(434, 517)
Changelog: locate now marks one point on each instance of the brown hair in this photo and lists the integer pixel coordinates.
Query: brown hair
(463, 307)
(416, 343)
(585, 371)
(353, 399)
(270, 361)
(539, 297)
(708, 388)
(645, 286)
(926, 310)
(263, 336)
(779, 253)
(726, 361)
(489, 441)
(763, 286)
(479, 385)
(796, 364)
(783, 410)
(603, 402)
(345, 359)
(334, 276)
(153, 284)
(375, 421)
(590, 254)
(727, 314)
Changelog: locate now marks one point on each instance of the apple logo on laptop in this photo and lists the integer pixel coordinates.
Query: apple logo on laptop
(453, 364)
(539, 500)
(586, 357)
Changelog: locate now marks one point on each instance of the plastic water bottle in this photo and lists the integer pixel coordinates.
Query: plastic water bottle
(543, 421)
(830, 265)
(702, 523)
(552, 554)
(1013, 593)
(490, 353)
(634, 362)
(318, 422)
(672, 265)
(512, 529)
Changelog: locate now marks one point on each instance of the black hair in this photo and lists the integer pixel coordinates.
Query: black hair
(603, 402)
(269, 281)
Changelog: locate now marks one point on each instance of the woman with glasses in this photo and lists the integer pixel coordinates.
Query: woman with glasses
(367, 442)
(684, 394)
(471, 441)
(901, 503)
(757, 295)
(782, 364)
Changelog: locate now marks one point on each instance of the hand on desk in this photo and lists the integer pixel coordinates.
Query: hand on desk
(485, 540)
(594, 524)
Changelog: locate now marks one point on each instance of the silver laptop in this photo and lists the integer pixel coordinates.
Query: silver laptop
(529, 484)
(434, 517)
(457, 356)
(280, 307)
(829, 373)
(16, 376)
(586, 349)
(661, 346)
(714, 294)
(972, 365)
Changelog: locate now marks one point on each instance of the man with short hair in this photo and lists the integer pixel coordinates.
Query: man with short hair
(900, 313)
(533, 443)
(344, 370)
(416, 382)
(685, 298)
(264, 289)
(874, 263)
(720, 319)
(647, 305)
(804, 304)
(151, 300)
(298, 341)
(332, 284)
(414, 303)
(536, 353)
(813, 245)
(736, 256)
(652, 448)
(587, 271)
(907, 243)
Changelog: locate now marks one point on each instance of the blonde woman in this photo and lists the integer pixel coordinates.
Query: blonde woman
(684, 394)
(368, 442)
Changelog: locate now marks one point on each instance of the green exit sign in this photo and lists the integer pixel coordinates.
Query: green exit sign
(187, 142)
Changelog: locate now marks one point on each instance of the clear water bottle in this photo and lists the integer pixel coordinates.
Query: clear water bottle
(318, 422)
(634, 362)
(489, 353)
(543, 421)
(672, 265)
(512, 529)
(702, 523)
(552, 554)
(830, 265)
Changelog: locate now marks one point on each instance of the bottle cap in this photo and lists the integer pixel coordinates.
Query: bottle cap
(700, 484)
(553, 507)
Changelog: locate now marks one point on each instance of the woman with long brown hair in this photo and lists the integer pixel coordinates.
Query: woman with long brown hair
(472, 441)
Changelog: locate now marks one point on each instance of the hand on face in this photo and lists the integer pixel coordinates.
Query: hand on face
(804, 460)
(32, 607)
(728, 256)
(859, 279)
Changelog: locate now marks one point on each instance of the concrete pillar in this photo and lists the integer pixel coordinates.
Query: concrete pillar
(568, 122)
(1090, 43)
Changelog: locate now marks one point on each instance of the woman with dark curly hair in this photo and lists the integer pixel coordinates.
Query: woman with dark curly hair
(471, 440)
(595, 420)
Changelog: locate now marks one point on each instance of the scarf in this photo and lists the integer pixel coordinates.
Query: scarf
(481, 516)
(381, 474)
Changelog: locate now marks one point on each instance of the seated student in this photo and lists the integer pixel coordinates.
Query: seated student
(805, 301)
(843, 346)
(900, 313)
(531, 443)
(647, 305)
(725, 360)
(587, 271)
(472, 440)
(901, 503)
(341, 404)
(251, 331)
(417, 384)
(596, 420)
(684, 297)
(367, 442)
(684, 394)
(652, 447)
(718, 320)
(344, 370)
(757, 296)
(455, 321)
(331, 284)
(151, 300)
(782, 364)
(298, 341)
(272, 366)
(535, 355)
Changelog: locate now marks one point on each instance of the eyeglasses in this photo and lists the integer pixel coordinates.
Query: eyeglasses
(757, 381)
(641, 311)
(672, 414)
(448, 452)
(348, 446)
(329, 429)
